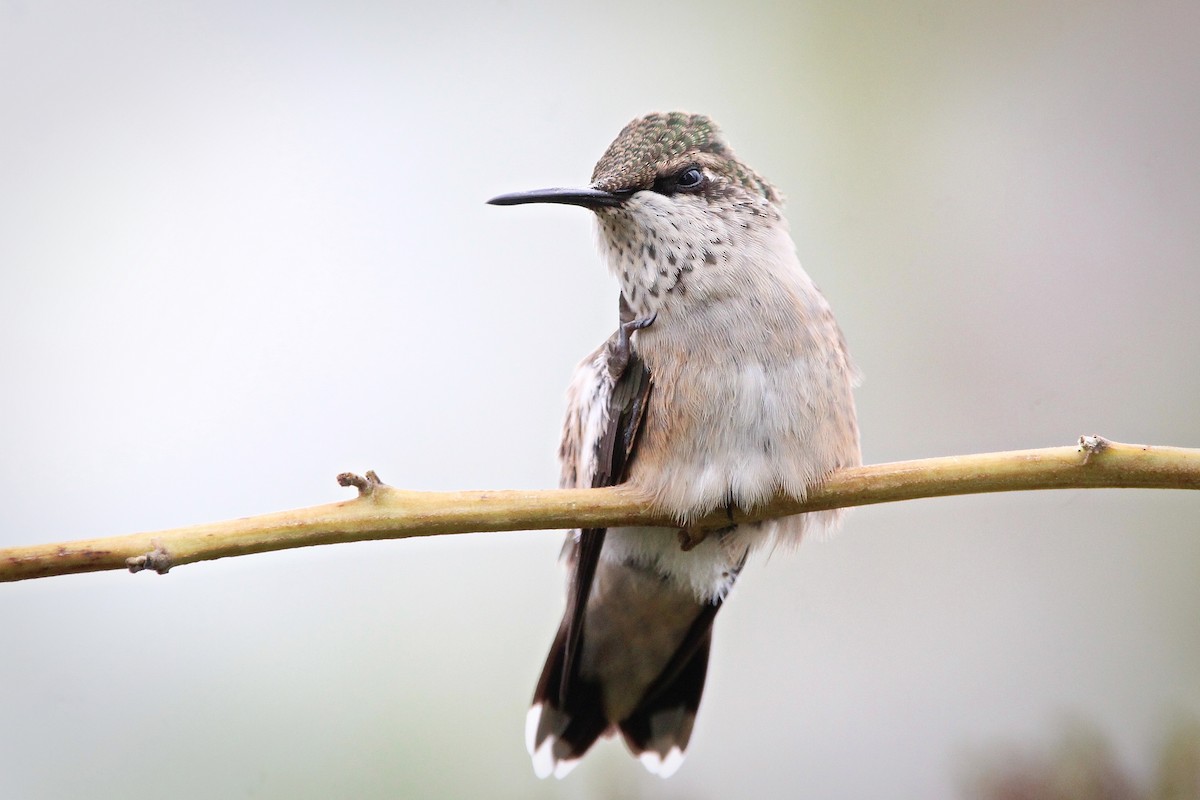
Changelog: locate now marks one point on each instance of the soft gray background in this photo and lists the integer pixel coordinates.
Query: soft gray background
(243, 247)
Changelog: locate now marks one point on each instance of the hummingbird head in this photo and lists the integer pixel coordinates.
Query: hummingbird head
(669, 154)
(677, 153)
(671, 199)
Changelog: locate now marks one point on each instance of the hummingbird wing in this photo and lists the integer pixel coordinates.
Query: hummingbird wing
(606, 405)
(611, 454)
(632, 650)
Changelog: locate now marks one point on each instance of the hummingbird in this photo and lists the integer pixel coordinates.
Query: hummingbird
(726, 383)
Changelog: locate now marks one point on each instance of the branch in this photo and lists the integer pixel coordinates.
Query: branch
(382, 512)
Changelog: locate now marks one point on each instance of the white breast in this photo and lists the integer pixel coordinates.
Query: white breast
(752, 384)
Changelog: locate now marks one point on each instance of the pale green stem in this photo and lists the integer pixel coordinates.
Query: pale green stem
(381, 512)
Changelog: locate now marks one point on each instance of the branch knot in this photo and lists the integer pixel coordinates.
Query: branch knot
(1092, 445)
(157, 559)
(366, 485)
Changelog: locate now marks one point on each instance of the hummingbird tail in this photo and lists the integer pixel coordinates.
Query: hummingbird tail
(639, 668)
(566, 718)
(658, 730)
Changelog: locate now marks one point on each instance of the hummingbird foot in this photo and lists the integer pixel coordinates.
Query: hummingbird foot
(690, 537)
(620, 350)
(366, 485)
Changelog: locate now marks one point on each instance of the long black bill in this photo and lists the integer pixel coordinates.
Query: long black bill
(588, 198)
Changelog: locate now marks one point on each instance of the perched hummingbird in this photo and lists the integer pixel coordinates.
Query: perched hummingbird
(726, 382)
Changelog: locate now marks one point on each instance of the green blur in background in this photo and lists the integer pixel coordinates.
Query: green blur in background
(244, 247)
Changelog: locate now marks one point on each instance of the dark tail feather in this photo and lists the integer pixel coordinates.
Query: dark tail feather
(567, 716)
(573, 705)
(658, 730)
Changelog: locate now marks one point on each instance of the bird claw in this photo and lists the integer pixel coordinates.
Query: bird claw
(690, 537)
(621, 350)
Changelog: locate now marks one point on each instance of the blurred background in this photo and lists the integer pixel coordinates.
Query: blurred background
(244, 247)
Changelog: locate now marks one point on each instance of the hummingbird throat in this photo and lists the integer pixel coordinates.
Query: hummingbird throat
(671, 254)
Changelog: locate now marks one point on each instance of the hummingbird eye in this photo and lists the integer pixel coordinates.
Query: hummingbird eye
(688, 179)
